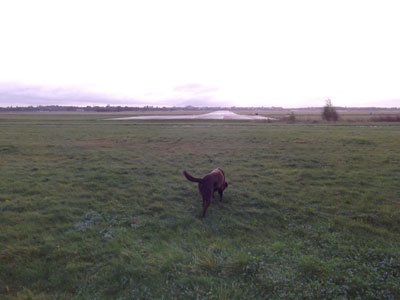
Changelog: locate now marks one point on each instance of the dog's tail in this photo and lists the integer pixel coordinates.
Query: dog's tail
(191, 178)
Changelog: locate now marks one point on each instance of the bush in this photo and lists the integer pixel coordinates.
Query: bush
(329, 113)
(292, 117)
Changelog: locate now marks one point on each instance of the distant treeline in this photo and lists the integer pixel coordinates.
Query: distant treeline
(109, 108)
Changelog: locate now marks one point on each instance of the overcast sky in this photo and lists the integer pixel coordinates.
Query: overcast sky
(286, 53)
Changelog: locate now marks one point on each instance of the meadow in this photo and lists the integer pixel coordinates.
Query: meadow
(94, 209)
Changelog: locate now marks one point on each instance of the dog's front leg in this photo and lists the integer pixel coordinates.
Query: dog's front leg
(206, 204)
(220, 192)
(207, 197)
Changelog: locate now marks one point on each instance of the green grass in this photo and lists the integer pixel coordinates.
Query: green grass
(313, 115)
(93, 209)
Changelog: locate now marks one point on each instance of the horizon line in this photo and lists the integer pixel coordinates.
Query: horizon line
(186, 107)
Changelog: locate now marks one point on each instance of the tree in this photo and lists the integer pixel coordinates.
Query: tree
(329, 113)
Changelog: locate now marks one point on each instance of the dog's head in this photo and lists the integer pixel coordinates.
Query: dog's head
(225, 185)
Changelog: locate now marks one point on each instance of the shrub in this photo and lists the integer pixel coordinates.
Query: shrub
(329, 113)
(292, 117)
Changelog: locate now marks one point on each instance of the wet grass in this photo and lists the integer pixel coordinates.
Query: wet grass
(91, 209)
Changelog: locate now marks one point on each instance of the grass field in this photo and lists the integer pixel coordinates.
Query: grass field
(313, 115)
(93, 209)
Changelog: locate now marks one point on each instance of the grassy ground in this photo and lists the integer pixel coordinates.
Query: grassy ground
(312, 115)
(93, 209)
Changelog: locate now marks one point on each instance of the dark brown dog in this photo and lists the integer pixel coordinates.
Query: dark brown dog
(213, 181)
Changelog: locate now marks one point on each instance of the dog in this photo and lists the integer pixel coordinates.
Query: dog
(213, 181)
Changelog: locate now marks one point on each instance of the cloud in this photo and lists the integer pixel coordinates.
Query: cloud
(194, 88)
(14, 94)
(196, 95)
(18, 94)
(200, 102)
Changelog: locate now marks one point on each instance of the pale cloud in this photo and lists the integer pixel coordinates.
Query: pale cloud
(194, 88)
(31, 95)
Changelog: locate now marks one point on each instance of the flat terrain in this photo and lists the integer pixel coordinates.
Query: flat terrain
(94, 209)
(215, 115)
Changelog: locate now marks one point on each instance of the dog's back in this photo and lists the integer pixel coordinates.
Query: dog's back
(213, 181)
(215, 177)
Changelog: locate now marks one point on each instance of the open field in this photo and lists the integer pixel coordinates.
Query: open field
(94, 209)
(215, 115)
(315, 114)
(300, 115)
